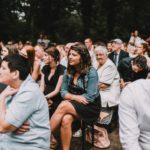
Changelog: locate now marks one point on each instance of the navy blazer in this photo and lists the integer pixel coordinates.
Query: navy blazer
(122, 55)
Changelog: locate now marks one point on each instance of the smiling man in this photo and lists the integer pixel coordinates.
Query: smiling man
(22, 102)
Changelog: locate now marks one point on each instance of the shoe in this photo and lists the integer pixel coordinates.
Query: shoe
(78, 133)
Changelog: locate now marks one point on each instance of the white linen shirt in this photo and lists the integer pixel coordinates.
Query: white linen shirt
(108, 74)
(134, 116)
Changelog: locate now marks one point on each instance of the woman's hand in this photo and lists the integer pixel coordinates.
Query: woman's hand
(9, 91)
(23, 129)
(80, 99)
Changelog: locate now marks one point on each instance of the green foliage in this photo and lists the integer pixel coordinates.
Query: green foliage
(73, 20)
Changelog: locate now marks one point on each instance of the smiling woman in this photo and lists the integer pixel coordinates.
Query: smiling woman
(51, 78)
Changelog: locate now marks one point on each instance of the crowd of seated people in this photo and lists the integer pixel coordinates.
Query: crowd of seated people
(78, 81)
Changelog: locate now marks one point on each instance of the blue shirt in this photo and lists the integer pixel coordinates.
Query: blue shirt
(91, 84)
(29, 105)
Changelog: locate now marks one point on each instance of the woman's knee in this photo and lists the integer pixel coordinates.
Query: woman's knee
(67, 121)
(63, 106)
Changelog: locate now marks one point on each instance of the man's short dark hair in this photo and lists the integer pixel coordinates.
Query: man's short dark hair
(140, 61)
(20, 63)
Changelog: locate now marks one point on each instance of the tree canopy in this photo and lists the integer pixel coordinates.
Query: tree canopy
(73, 20)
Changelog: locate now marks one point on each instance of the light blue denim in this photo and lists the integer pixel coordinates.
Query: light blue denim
(91, 84)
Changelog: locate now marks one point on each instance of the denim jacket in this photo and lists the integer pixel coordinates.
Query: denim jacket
(90, 84)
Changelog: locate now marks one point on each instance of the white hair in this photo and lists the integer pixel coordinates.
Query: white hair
(102, 49)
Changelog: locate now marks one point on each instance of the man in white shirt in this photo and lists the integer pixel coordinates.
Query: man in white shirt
(89, 45)
(134, 116)
(135, 39)
(108, 78)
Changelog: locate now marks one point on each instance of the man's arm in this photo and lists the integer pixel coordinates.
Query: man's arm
(19, 110)
(129, 130)
(103, 86)
(107, 77)
(4, 126)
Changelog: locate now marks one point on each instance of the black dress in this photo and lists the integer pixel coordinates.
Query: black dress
(51, 85)
(90, 112)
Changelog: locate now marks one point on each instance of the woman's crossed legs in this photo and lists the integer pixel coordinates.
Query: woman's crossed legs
(64, 115)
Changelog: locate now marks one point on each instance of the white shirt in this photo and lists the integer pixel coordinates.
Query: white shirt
(64, 61)
(93, 58)
(134, 116)
(135, 40)
(108, 74)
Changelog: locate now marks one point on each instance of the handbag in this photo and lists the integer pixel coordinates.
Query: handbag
(101, 139)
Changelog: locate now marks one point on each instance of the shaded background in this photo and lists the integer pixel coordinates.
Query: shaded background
(73, 20)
